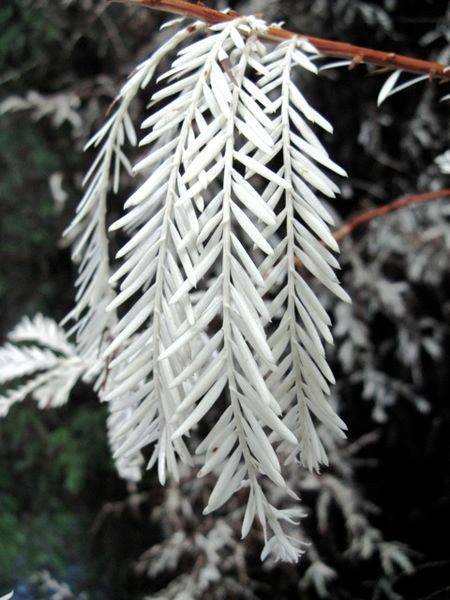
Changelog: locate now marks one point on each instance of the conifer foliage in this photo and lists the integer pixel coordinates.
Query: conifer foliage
(202, 335)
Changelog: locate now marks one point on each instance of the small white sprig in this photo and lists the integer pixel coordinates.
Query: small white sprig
(47, 370)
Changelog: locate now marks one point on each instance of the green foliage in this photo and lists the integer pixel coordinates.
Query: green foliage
(30, 224)
(25, 32)
(54, 460)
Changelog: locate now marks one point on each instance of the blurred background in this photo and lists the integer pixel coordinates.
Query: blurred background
(64, 514)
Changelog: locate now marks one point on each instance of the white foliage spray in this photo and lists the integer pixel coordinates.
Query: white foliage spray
(206, 328)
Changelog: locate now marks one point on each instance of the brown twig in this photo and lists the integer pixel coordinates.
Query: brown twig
(381, 211)
(370, 215)
(357, 54)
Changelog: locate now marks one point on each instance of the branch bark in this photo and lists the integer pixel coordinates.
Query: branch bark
(357, 54)
(381, 211)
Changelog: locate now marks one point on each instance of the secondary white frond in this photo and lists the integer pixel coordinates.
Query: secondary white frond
(47, 372)
(16, 362)
(43, 331)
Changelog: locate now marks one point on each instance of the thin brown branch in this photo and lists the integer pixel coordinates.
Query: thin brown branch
(357, 54)
(375, 213)
(381, 211)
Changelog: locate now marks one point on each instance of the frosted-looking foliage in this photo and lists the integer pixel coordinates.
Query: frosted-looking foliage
(206, 308)
(61, 108)
(224, 567)
(215, 136)
(443, 162)
(413, 240)
(41, 361)
(206, 334)
(47, 586)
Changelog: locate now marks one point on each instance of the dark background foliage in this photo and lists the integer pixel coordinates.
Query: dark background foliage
(62, 506)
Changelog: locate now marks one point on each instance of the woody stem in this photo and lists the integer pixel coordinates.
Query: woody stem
(357, 54)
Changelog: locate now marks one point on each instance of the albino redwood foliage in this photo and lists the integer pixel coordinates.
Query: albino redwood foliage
(208, 293)
(204, 330)
(48, 363)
